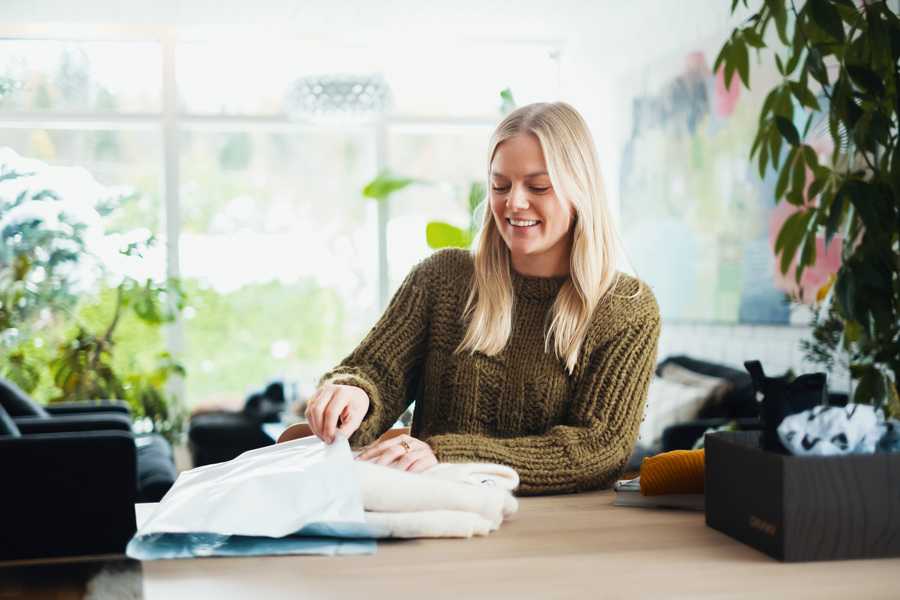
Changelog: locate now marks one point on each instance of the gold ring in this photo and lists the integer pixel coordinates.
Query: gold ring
(405, 445)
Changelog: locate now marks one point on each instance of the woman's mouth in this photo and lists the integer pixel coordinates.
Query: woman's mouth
(522, 223)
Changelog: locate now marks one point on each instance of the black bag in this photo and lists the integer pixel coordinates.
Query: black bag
(780, 398)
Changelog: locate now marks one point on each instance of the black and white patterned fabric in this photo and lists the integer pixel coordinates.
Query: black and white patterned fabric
(836, 430)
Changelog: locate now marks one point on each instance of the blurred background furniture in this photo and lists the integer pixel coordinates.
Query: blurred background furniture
(220, 435)
(717, 395)
(72, 473)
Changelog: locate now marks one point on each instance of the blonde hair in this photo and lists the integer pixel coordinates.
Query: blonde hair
(575, 174)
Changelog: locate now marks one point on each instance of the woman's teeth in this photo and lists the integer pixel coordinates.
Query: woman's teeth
(518, 223)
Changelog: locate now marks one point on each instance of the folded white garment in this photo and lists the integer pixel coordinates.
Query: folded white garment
(428, 524)
(483, 474)
(386, 489)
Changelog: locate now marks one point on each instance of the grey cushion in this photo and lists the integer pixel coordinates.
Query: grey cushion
(155, 467)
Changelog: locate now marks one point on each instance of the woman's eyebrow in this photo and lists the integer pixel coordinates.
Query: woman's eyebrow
(535, 174)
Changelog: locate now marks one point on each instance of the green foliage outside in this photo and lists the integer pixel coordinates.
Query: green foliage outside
(230, 335)
(839, 62)
(62, 341)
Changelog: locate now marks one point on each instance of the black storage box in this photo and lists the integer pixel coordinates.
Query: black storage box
(802, 508)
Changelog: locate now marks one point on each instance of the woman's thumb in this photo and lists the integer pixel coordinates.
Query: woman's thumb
(347, 423)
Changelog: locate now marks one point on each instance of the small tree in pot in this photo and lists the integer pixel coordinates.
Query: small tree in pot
(839, 65)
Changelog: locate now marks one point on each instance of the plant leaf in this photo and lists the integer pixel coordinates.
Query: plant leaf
(722, 57)
(752, 38)
(827, 18)
(787, 129)
(804, 96)
(385, 184)
(790, 237)
(807, 255)
(742, 62)
(867, 79)
(444, 235)
(781, 185)
(507, 102)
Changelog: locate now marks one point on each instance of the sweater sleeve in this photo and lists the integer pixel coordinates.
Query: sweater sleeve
(591, 449)
(384, 363)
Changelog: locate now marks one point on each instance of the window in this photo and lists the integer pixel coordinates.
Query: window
(277, 247)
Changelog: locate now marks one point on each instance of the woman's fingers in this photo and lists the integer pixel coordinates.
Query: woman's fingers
(424, 463)
(331, 414)
(316, 410)
(349, 421)
(403, 463)
(309, 414)
(390, 455)
(418, 457)
(377, 448)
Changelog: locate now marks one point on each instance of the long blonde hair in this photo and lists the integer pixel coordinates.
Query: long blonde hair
(575, 174)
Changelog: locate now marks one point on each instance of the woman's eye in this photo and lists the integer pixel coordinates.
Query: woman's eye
(538, 190)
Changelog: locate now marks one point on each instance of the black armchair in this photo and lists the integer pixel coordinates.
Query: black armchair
(220, 436)
(72, 475)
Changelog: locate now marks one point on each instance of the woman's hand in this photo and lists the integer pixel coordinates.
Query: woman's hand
(333, 403)
(402, 452)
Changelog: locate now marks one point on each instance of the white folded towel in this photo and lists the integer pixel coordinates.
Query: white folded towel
(427, 524)
(485, 474)
(386, 489)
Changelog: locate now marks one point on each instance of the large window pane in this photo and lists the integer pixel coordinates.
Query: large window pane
(449, 160)
(459, 80)
(105, 77)
(125, 161)
(92, 172)
(465, 80)
(279, 253)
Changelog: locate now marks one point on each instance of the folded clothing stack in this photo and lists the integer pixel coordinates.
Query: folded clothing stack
(448, 500)
(306, 497)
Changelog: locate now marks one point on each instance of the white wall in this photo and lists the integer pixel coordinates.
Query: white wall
(602, 40)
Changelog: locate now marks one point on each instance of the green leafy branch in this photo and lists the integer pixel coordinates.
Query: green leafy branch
(839, 64)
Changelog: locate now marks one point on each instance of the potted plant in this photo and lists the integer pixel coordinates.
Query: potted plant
(840, 81)
(839, 67)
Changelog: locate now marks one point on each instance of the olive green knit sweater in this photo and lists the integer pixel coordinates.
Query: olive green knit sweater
(561, 432)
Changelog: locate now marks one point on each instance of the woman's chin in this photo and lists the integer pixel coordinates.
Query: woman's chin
(522, 249)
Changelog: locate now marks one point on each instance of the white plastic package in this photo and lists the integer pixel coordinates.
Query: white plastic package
(281, 499)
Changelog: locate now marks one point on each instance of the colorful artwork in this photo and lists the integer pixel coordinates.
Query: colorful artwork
(696, 217)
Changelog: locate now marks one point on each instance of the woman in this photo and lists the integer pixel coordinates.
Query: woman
(530, 351)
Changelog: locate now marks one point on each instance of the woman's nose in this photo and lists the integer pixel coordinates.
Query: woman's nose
(517, 199)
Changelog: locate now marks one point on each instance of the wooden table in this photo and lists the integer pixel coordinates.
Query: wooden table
(577, 546)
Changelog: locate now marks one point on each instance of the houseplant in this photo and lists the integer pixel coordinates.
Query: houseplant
(64, 315)
(840, 78)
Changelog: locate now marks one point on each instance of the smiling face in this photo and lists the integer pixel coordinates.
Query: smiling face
(533, 221)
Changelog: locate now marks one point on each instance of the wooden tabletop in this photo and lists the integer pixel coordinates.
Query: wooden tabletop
(574, 546)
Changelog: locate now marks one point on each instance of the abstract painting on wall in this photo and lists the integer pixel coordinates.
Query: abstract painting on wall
(697, 221)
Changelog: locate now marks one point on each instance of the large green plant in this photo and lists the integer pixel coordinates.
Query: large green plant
(60, 340)
(839, 65)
